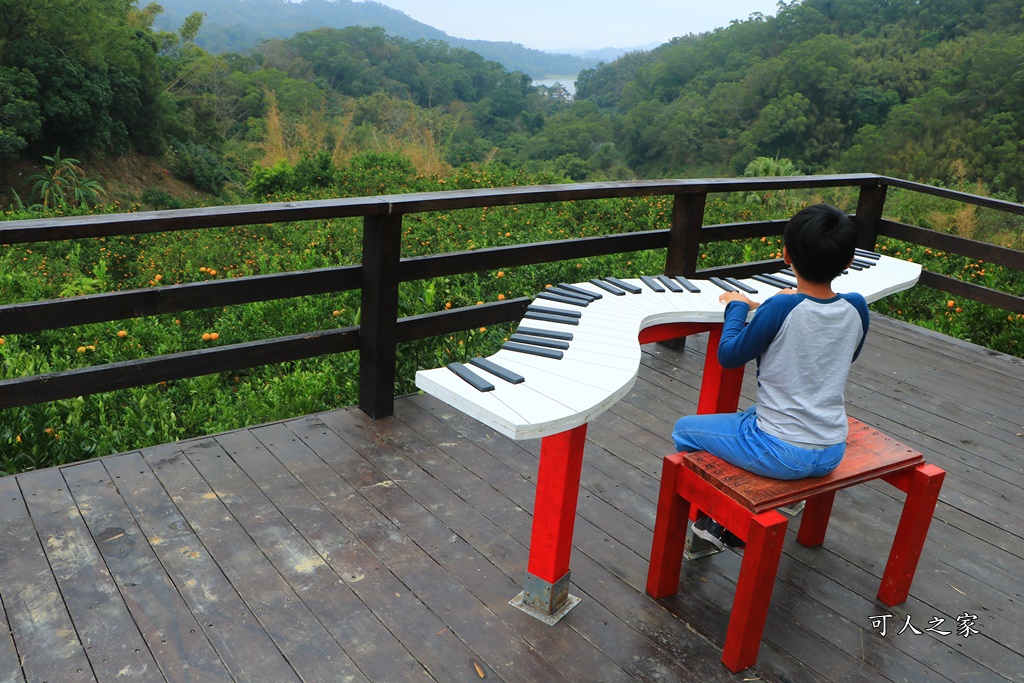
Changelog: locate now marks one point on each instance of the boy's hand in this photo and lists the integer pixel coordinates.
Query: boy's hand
(728, 297)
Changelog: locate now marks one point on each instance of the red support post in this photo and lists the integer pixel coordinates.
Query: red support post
(720, 387)
(554, 510)
(546, 589)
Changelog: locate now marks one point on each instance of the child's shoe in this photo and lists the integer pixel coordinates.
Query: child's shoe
(703, 538)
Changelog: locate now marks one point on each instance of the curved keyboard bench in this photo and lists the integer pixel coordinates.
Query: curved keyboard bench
(577, 350)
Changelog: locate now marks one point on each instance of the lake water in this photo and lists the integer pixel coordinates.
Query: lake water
(568, 82)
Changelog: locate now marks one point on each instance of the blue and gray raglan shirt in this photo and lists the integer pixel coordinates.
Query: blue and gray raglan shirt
(804, 347)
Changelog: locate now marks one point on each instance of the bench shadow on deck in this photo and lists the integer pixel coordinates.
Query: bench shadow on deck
(332, 547)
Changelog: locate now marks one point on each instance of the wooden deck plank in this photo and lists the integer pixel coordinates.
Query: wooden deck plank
(466, 614)
(112, 640)
(431, 451)
(283, 516)
(358, 532)
(305, 643)
(10, 664)
(182, 651)
(47, 646)
(240, 640)
(335, 547)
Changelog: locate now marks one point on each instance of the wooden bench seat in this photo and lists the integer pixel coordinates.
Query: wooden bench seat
(746, 503)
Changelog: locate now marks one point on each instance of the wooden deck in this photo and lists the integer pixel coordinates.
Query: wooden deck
(332, 547)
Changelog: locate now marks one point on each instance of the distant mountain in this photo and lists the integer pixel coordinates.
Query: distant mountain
(240, 25)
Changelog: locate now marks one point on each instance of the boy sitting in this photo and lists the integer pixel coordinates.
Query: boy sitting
(804, 341)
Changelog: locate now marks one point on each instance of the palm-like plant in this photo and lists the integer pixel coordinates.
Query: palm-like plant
(63, 184)
(767, 166)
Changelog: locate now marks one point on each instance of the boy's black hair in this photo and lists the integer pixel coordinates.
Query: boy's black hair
(820, 240)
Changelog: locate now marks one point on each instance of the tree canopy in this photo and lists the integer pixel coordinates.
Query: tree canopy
(925, 90)
(890, 86)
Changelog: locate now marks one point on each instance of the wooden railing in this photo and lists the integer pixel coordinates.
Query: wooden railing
(383, 268)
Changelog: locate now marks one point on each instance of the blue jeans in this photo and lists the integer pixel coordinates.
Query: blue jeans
(736, 438)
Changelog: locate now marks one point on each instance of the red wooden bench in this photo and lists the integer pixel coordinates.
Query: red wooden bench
(746, 503)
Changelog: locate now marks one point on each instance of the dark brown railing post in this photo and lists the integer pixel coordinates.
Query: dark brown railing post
(684, 239)
(378, 323)
(869, 214)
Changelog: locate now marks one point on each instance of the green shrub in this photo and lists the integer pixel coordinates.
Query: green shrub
(199, 165)
(160, 199)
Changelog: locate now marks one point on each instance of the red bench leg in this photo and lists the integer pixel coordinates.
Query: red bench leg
(669, 533)
(765, 536)
(922, 487)
(814, 522)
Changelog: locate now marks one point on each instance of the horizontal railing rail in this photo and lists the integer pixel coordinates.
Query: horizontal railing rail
(383, 268)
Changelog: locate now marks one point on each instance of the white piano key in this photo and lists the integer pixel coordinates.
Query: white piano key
(600, 378)
(579, 364)
(508, 408)
(448, 387)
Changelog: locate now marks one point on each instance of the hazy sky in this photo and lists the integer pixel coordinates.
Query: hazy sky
(569, 24)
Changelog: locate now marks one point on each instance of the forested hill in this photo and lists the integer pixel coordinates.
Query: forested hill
(929, 89)
(241, 25)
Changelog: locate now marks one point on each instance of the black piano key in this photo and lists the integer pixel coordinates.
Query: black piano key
(554, 311)
(789, 283)
(533, 350)
(548, 318)
(772, 280)
(562, 291)
(632, 289)
(497, 370)
(552, 334)
(862, 263)
(539, 341)
(787, 271)
(743, 286)
(579, 291)
(670, 283)
(611, 289)
(652, 283)
(572, 301)
(478, 382)
(854, 266)
(721, 284)
(874, 256)
(687, 285)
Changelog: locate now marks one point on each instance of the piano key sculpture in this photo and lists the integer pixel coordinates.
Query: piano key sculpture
(576, 352)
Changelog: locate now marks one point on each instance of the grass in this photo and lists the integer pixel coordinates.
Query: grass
(58, 432)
